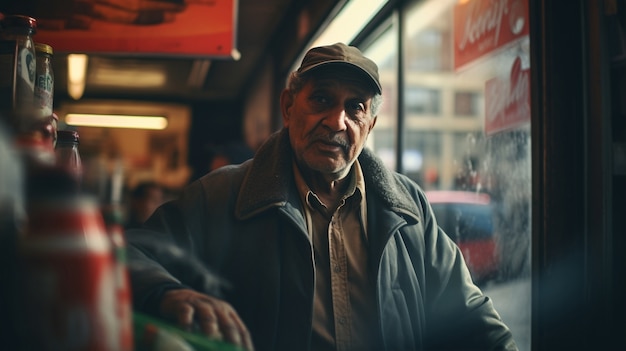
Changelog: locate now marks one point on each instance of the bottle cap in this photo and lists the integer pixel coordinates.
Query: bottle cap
(19, 21)
(67, 136)
(45, 48)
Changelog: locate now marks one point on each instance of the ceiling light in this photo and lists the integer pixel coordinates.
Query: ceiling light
(116, 121)
(76, 74)
(130, 77)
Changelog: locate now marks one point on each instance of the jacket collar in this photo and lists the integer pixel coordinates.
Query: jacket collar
(269, 181)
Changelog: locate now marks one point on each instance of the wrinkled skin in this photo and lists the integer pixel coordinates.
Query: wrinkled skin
(329, 121)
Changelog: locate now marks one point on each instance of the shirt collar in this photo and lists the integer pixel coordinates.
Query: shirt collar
(357, 182)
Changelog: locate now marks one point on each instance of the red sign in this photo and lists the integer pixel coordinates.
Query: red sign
(507, 101)
(177, 28)
(482, 26)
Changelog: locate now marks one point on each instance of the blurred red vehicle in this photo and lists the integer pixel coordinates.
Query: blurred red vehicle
(467, 218)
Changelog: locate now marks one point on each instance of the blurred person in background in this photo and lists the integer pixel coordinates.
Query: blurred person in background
(319, 245)
(144, 198)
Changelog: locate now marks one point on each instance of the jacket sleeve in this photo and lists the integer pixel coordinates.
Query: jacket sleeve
(162, 254)
(458, 315)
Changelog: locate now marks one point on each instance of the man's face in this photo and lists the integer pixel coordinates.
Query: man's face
(329, 121)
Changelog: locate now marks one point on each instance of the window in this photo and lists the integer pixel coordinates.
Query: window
(466, 103)
(455, 146)
(383, 49)
(422, 101)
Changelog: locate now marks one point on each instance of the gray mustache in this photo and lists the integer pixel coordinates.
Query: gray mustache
(333, 139)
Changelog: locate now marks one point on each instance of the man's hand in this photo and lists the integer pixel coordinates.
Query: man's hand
(215, 318)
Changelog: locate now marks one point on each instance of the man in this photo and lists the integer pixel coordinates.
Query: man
(322, 248)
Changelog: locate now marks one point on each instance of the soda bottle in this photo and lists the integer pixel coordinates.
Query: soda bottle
(68, 272)
(20, 30)
(68, 155)
(44, 81)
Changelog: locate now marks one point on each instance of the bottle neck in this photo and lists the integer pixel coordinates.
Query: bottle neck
(66, 144)
(15, 32)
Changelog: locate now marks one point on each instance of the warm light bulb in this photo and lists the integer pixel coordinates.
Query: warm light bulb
(116, 121)
(76, 74)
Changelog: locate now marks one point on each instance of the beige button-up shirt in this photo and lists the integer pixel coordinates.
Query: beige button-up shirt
(345, 312)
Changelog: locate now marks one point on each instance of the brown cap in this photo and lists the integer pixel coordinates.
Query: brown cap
(340, 54)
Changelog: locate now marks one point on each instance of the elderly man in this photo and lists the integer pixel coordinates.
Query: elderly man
(320, 246)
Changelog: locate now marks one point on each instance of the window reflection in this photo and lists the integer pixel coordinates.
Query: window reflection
(467, 218)
(384, 51)
(467, 103)
(430, 51)
(476, 171)
(422, 101)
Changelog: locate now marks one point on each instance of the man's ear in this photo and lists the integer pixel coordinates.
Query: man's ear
(286, 101)
(373, 123)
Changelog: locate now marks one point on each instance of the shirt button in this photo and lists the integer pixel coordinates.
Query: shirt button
(337, 268)
(342, 320)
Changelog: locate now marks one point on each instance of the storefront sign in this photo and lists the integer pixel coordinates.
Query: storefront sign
(176, 28)
(483, 26)
(507, 101)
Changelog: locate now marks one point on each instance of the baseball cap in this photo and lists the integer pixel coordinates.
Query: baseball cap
(340, 54)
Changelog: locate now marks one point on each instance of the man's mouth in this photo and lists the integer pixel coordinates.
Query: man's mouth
(334, 145)
(329, 146)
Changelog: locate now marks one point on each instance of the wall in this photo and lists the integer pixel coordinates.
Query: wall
(258, 112)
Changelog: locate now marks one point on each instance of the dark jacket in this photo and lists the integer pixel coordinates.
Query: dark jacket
(245, 223)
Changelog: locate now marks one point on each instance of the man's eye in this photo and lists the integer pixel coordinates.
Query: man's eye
(320, 99)
(356, 107)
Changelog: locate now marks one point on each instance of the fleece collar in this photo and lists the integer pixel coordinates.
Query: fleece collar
(269, 181)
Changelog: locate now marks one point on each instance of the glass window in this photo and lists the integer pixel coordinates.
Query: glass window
(422, 101)
(468, 220)
(426, 55)
(467, 103)
(470, 161)
(349, 21)
(472, 136)
(383, 49)
(422, 158)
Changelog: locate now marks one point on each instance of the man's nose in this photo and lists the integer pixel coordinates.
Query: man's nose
(336, 119)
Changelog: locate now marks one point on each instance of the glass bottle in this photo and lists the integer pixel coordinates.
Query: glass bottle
(44, 81)
(67, 154)
(21, 29)
(67, 293)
